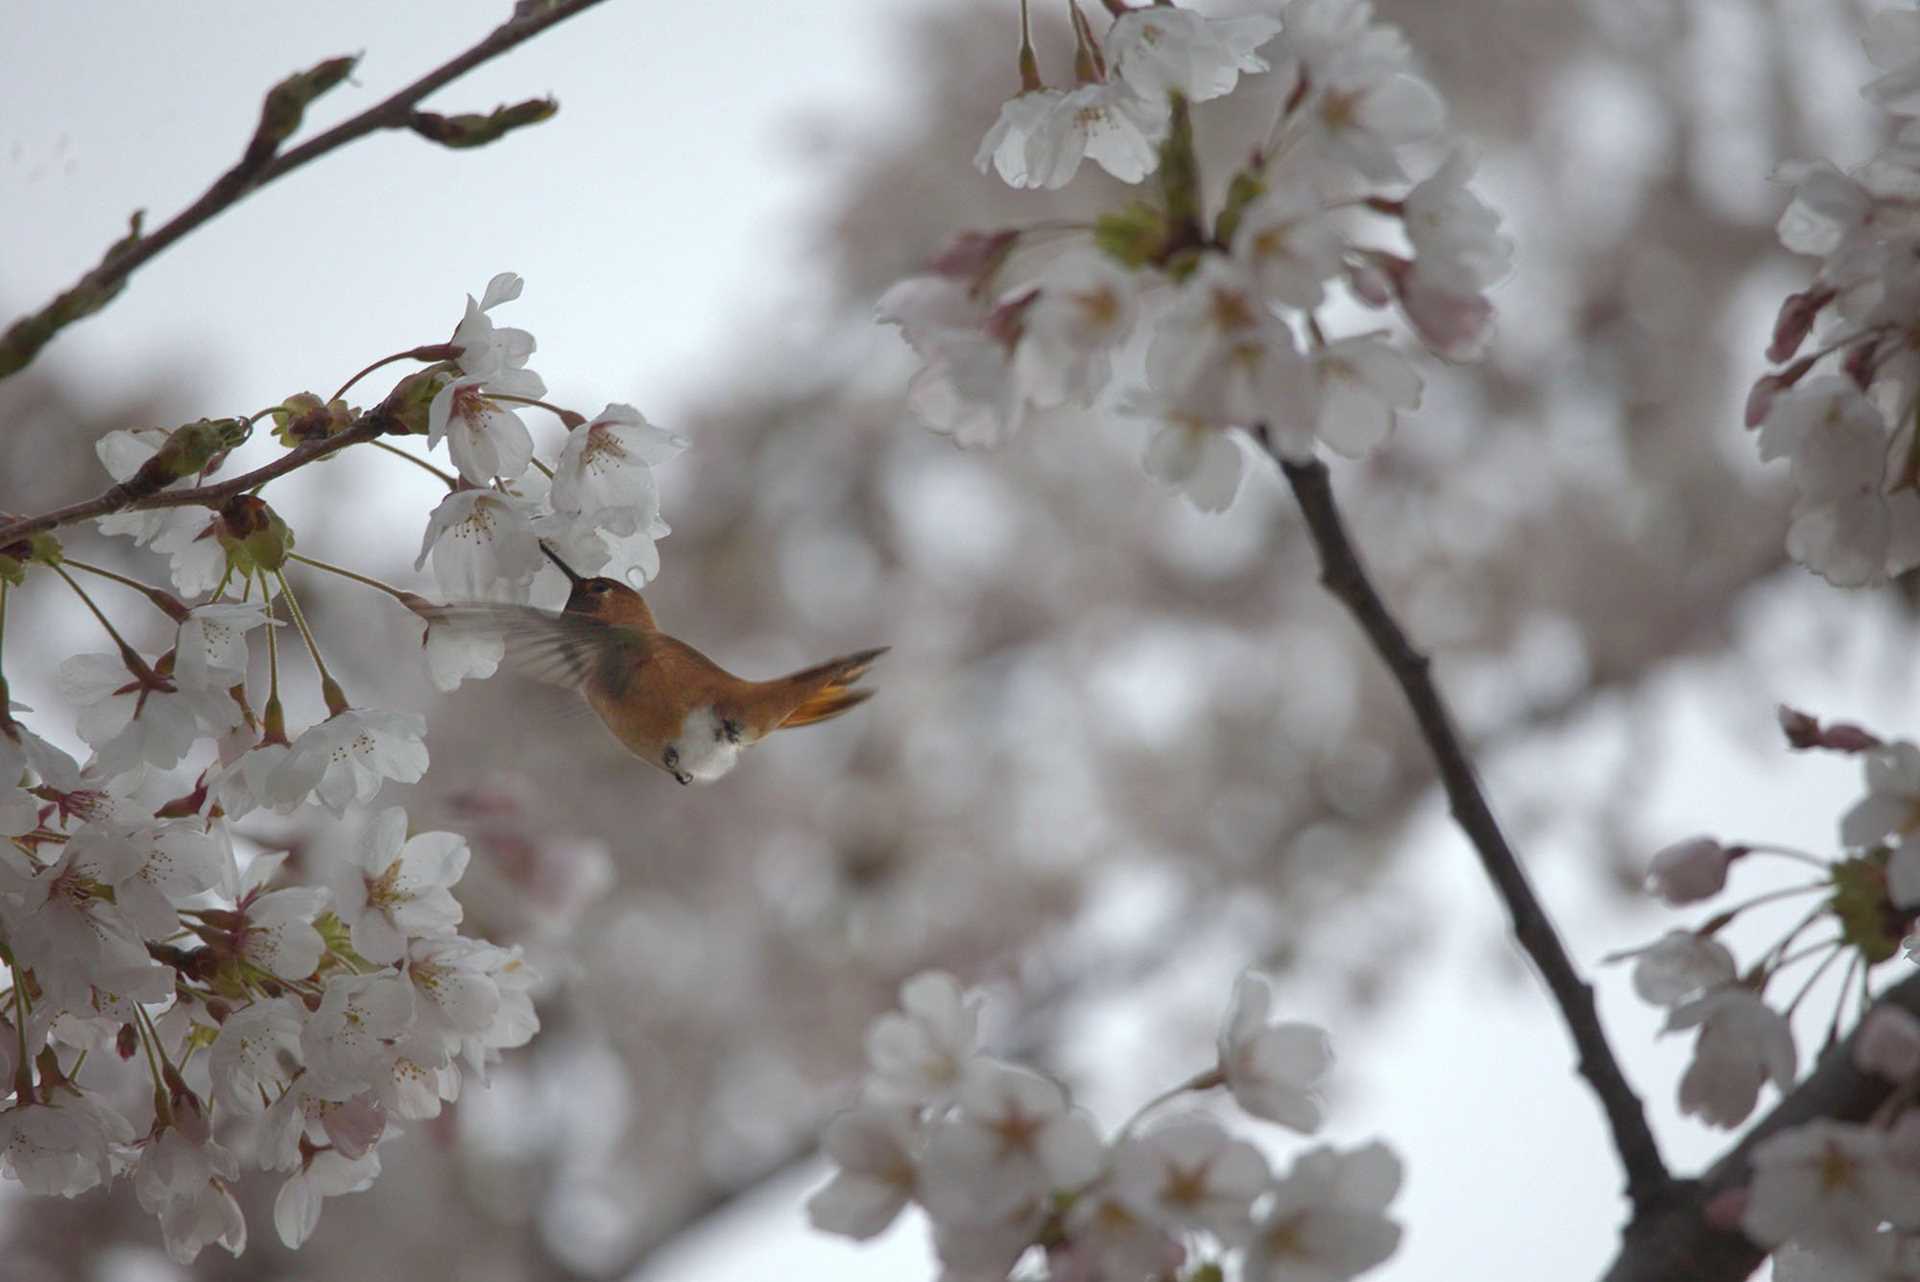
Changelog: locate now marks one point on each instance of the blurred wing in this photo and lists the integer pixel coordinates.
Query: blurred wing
(561, 649)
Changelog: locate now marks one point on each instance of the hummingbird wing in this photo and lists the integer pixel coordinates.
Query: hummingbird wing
(571, 650)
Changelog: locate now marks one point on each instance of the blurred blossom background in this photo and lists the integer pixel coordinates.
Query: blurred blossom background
(1121, 750)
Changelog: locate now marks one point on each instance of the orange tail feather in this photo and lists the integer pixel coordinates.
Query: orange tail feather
(826, 693)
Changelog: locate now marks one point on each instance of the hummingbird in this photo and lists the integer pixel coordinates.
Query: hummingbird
(669, 704)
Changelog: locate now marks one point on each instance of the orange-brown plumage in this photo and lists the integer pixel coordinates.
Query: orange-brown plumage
(666, 702)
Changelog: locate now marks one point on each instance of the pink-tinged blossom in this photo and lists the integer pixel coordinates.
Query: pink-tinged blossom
(1189, 1173)
(1364, 387)
(1327, 1220)
(483, 547)
(1042, 135)
(916, 1055)
(1273, 1068)
(256, 1054)
(1220, 354)
(1891, 808)
(1743, 1043)
(1188, 451)
(1290, 245)
(1848, 525)
(1085, 310)
(1828, 1185)
(1014, 1140)
(968, 388)
(132, 719)
(296, 1211)
(348, 1042)
(1888, 1043)
(185, 1184)
(343, 761)
(1456, 235)
(874, 1146)
(396, 887)
(1158, 50)
(1687, 872)
(63, 1146)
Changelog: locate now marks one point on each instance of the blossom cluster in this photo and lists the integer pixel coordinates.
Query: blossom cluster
(1834, 1199)
(1843, 414)
(187, 999)
(1225, 314)
(1008, 1170)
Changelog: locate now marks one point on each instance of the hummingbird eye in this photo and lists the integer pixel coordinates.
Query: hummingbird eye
(597, 587)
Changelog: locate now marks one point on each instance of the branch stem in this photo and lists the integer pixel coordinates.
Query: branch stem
(1343, 575)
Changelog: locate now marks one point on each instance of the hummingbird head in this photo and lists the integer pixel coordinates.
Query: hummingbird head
(602, 598)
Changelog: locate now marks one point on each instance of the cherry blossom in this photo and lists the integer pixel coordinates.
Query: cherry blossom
(398, 886)
(608, 462)
(185, 1184)
(343, 761)
(483, 547)
(917, 1055)
(1828, 1185)
(1273, 1069)
(1290, 245)
(1888, 1043)
(256, 1053)
(1326, 1219)
(63, 1146)
(1891, 807)
(1689, 871)
(1188, 1172)
(296, 1211)
(874, 1146)
(1160, 50)
(348, 1040)
(1743, 1043)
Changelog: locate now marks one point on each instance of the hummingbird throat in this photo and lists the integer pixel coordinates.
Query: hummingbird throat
(707, 747)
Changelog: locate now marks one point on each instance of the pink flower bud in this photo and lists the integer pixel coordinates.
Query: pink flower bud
(1689, 871)
(1888, 1044)
(1790, 328)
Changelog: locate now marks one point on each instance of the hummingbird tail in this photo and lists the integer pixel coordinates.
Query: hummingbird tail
(823, 691)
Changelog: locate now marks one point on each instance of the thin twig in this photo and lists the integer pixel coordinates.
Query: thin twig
(257, 167)
(1344, 576)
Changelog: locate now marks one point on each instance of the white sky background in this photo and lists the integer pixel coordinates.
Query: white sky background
(661, 221)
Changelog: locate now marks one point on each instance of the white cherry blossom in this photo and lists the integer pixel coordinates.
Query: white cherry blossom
(874, 1146)
(1678, 966)
(917, 1054)
(456, 654)
(185, 1184)
(348, 1041)
(1456, 235)
(1364, 386)
(1014, 1141)
(1828, 1185)
(1743, 1043)
(1326, 1220)
(608, 462)
(1188, 451)
(196, 560)
(483, 546)
(62, 1146)
(296, 1211)
(1187, 1172)
(277, 933)
(1272, 1068)
(210, 651)
(1289, 245)
(1891, 807)
(1221, 355)
(1020, 146)
(396, 887)
(1085, 310)
(256, 1053)
(344, 760)
(132, 719)
(1160, 49)
(23, 751)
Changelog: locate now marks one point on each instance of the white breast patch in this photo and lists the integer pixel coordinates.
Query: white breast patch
(705, 752)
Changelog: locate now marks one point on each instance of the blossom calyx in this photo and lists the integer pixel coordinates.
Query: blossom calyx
(471, 129)
(411, 400)
(188, 450)
(255, 537)
(42, 547)
(305, 417)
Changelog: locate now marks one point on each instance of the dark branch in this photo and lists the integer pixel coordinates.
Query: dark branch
(118, 498)
(256, 168)
(1340, 570)
(1675, 1242)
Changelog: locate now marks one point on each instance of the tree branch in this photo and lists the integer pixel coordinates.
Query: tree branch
(256, 168)
(1675, 1242)
(371, 424)
(1648, 1183)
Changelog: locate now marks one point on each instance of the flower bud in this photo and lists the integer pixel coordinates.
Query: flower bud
(1689, 871)
(41, 547)
(470, 129)
(127, 1043)
(1888, 1044)
(255, 537)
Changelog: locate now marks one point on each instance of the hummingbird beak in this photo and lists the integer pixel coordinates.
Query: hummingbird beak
(564, 567)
